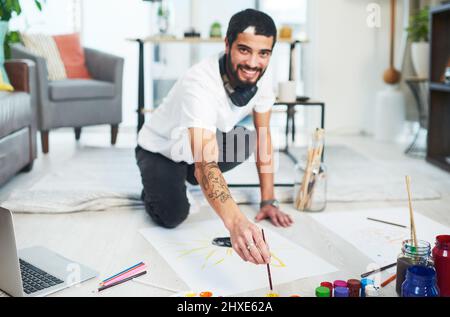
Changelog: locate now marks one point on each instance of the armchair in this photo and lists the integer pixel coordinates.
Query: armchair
(78, 102)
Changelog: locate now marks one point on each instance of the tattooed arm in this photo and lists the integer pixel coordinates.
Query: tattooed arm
(246, 237)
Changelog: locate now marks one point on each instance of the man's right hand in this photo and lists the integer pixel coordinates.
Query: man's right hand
(248, 242)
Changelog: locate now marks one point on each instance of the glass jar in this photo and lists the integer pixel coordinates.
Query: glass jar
(314, 196)
(420, 282)
(441, 258)
(411, 255)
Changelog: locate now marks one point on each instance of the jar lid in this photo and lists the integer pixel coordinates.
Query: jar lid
(367, 281)
(443, 242)
(339, 283)
(354, 283)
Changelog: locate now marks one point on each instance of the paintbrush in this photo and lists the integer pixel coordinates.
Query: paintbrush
(381, 269)
(411, 213)
(268, 266)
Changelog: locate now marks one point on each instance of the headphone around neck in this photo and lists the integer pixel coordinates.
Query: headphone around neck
(239, 96)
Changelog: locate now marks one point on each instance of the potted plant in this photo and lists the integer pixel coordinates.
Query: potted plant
(9, 9)
(420, 48)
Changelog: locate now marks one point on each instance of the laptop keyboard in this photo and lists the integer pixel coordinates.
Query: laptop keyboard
(35, 279)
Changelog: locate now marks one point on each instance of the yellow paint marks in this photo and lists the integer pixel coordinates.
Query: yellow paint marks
(220, 261)
(187, 252)
(277, 262)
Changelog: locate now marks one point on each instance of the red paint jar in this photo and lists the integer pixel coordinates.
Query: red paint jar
(441, 257)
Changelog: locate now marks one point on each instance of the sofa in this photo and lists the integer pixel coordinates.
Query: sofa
(18, 120)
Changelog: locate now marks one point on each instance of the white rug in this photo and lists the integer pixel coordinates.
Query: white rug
(100, 179)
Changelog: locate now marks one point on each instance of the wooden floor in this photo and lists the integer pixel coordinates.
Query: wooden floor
(109, 241)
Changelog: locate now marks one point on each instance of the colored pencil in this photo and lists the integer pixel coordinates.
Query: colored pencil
(121, 281)
(387, 222)
(390, 279)
(131, 267)
(378, 270)
(268, 266)
(126, 274)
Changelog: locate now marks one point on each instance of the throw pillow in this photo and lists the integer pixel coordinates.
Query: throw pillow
(72, 55)
(45, 46)
(4, 80)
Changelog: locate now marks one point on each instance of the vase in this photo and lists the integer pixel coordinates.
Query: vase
(420, 54)
(389, 114)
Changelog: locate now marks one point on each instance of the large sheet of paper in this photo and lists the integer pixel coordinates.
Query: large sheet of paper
(380, 242)
(206, 267)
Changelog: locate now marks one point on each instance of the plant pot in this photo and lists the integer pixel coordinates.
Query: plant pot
(420, 54)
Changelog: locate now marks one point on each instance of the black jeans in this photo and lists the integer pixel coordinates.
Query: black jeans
(164, 192)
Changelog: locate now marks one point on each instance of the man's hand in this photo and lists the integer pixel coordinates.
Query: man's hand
(277, 217)
(248, 242)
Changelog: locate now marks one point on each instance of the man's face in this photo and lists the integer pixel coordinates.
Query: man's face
(248, 58)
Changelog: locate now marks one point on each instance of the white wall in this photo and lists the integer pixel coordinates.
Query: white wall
(106, 26)
(345, 60)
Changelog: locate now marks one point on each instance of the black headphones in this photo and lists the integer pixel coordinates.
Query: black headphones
(239, 96)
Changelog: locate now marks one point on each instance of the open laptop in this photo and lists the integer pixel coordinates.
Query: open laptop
(35, 271)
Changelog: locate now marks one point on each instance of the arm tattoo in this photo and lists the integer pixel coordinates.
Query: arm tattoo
(214, 183)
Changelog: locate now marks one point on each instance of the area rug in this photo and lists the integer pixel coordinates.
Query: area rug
(107, 178)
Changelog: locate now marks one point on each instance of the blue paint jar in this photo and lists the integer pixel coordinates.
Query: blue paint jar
(420, 282)
(341, 292)
(364, 283)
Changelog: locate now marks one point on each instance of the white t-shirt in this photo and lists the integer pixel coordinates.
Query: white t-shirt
(198, 99)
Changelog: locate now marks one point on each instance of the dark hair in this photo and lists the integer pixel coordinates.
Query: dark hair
(262, 22)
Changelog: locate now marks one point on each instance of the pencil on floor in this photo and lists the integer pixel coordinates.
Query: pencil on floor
(124, 271)
(126, 274)
(390, 279)
(121, 281)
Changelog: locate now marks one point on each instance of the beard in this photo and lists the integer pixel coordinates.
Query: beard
(233, 73)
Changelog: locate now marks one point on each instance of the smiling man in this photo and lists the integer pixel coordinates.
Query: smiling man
(193, 136)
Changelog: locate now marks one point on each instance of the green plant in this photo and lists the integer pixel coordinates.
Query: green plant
(9, 9)
(418, 25)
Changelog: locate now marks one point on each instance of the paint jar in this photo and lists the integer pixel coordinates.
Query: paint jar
(329, 286)
(411, 255)
(322, 291)
(312, 197)
(364, 283)
(341, 292)
(354, 287)
(371, 291)
(420, 282)
(441, 258)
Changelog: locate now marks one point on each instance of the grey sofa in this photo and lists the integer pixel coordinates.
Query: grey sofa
(18, 120)
(76, 102)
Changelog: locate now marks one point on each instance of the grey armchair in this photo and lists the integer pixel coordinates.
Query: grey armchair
(78, 102)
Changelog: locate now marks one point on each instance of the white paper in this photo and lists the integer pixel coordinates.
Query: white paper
(206, 267)
(381, 242)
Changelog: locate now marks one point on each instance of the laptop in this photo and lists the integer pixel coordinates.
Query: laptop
(34, 271)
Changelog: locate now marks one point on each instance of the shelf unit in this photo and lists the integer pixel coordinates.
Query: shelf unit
(438, 152)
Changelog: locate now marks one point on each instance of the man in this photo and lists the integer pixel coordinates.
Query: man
(191, 136)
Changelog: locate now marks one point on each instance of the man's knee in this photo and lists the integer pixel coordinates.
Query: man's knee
(168, 215)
